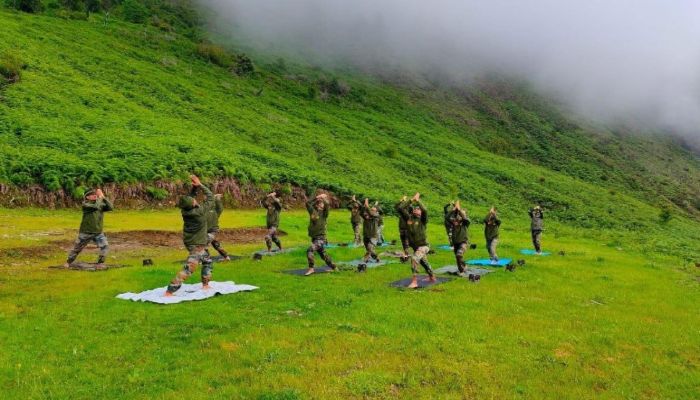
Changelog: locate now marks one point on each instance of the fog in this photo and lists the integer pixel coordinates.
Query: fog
(632, 61)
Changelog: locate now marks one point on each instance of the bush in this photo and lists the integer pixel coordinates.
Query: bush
(157, 193)
(30, 6)
(134, 11)
(243, 65)
(334, 87)
(665, 215)
(10, 68)
(214, 54)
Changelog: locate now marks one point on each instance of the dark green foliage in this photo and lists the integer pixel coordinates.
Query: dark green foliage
(333, 87)
(134, 11)
(665, 215)
(157, 193)
(243, 65)
(30, 6)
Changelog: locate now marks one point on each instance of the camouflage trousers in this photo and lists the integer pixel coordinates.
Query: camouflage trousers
(272, 237)
(197, 255)
(380, 234)
(356, 231)
(537, 240)
(370, 252)
(420, 256)
(83, 240)
(491, 246)
(211, 240)
(403, 235)
(448, 229)
(318, 245)
(460, 249)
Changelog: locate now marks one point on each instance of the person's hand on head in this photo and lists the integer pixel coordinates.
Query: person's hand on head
(366, 202)
(99, 193)
(416, 197)
(353, 197)
(404, 198)
(457, 205)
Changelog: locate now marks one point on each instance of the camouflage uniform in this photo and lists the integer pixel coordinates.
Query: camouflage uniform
(536, 227)
(417, 236)
(491, 227)
(213, 226)
(370, 232)
(380, 228)
(274, 207)
(194, 235)
(355, 219)
(459, 222)
(403, 226)
(318, 221)
(91, 229)
(447, 210)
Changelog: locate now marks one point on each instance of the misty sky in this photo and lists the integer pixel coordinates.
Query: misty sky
(635, 60)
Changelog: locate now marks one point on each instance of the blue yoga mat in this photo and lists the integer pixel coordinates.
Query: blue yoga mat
(485, 261)
(445, 247)
(529, 252)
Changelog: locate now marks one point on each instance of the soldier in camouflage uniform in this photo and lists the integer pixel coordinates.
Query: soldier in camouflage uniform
(318, 209)
(492, 225)
(370, 231)
(355, 218)
(91, 227)
(273, 205)
(416, 217)
(459, 222)
(380, 229)
(194, 235)
(446, 211)
(403, 226)
(213, 227)
(536, 227)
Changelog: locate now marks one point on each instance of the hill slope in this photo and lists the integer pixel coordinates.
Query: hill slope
(127, 103)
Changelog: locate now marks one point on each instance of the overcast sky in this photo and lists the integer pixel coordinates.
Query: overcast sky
(615, 59)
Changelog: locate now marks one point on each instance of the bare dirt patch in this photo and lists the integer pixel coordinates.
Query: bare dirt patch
(133, 240)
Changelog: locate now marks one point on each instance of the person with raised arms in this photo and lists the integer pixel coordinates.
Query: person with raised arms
(416, 217)
(492, 225)
(318, 209)
(403, 226)
(536, 227)
(355, 218)
(370, 231)
(459, 224)
(91, 227)
(194, 236)
(273, 205)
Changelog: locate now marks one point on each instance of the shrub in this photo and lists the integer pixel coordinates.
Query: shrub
(134, 11)
(30, 6)
(10, 68)
(665, 215)
(214, 54)
(334, 87)
(157, 193)
(243, 65)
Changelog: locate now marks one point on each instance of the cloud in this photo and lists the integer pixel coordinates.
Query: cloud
(631, 60)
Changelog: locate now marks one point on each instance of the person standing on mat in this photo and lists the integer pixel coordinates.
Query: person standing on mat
(536, 227)
(380, 228)
(318, 209)
(194, 236)
(416, 224)
(274, 206)
(491, 226)
(370, 231)
(213, 215)
(459, 221)
(355, 218)
(446, 212)
(403, 226)
(95, 204)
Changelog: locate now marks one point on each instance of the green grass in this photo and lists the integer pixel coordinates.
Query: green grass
(602, 321)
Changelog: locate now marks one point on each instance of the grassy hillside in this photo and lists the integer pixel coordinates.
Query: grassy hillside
(126, 103)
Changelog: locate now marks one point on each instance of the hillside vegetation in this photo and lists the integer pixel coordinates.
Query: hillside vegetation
(96, 101)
